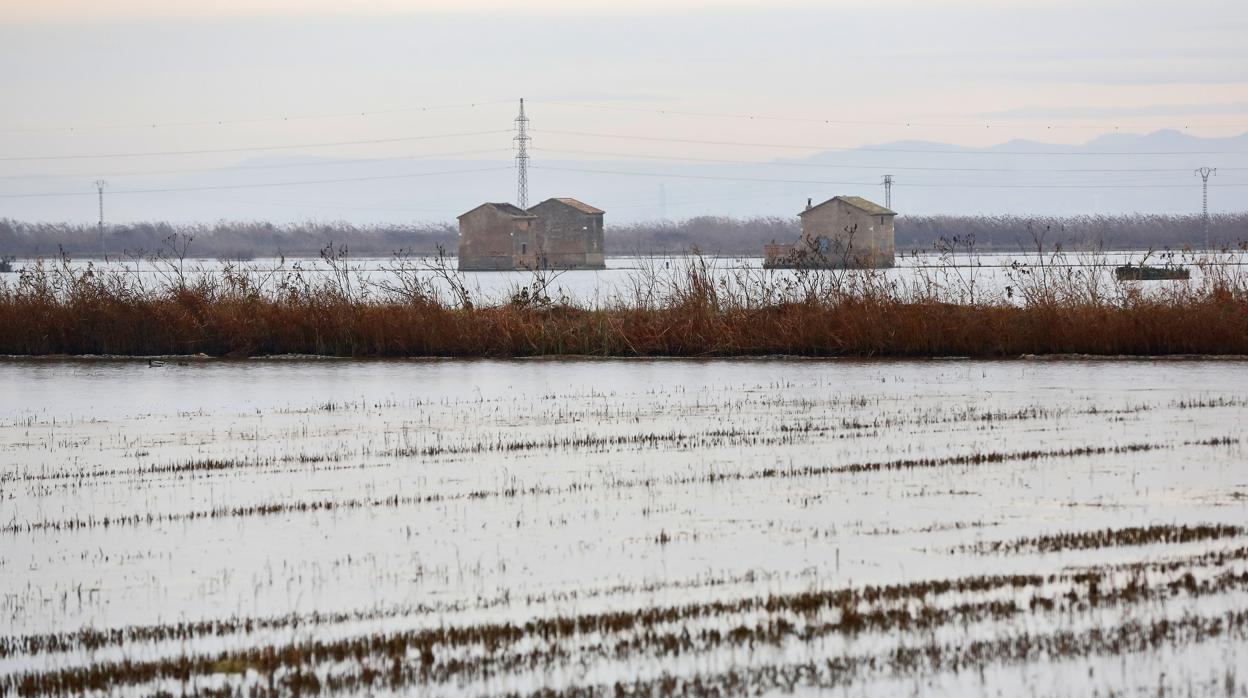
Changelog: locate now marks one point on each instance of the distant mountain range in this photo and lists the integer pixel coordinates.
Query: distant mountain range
(1113, 173)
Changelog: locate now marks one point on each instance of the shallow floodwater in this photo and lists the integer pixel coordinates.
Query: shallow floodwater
(514, 526)
(630, 279)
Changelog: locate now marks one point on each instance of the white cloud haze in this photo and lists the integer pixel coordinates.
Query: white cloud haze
(972, 73)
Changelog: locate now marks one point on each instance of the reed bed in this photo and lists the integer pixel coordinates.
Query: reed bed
(425, 308)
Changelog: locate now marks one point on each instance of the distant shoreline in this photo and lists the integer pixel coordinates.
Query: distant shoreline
(682, 255)
(708, 235)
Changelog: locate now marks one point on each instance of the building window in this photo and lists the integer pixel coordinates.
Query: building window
(524, 248)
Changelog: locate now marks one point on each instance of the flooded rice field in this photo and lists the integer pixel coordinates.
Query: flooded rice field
(577, 527)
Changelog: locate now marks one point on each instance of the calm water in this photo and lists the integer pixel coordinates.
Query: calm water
(626, 278)
(425, 494)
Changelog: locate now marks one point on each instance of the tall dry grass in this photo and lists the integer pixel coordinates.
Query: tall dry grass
(424, 308)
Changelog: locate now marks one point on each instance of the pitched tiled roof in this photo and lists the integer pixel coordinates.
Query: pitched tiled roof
(504, 207)
(510, 208)
(574, 203)
(580, 205)
(857, 202)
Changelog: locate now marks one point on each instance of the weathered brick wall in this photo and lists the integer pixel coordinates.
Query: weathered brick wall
(491, 240)
(869, 245)
(594, 253)
(567, 238)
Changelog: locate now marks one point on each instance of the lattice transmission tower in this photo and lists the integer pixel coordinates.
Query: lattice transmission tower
(99, 188)
(99, 227)
(1204, 173)
(888, 191)
(522, 158)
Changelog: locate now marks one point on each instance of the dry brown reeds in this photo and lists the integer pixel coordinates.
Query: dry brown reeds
(60, 308)
(1108, 538)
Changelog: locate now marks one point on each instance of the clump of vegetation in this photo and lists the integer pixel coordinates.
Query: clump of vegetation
(422, 307)
(454, 654)
(1110, 538)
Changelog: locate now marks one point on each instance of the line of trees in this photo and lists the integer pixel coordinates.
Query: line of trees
(242, 240)
(1134, 232)
(708, 234)
(732, 236)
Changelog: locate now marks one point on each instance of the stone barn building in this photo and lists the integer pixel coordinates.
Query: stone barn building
(842, 232)
(494, 237)
(568, 235)
(555, 234)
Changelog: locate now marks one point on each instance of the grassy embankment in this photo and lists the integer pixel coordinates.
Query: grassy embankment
(427, 309)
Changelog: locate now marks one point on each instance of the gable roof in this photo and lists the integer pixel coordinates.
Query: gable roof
(506, 208)
(574, 203)
(857, 202)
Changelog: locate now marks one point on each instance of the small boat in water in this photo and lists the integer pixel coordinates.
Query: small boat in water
(1140, 272)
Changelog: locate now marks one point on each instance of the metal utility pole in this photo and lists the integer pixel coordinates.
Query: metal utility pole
(1203, 173)
(99, 188)
(888, 191)
(522, 158)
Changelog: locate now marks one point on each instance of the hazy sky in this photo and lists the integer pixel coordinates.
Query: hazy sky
(139, 76)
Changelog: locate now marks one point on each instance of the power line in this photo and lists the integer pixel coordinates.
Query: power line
(283, 166)
(869, 184)
(907, 123)
(254, 120)
(706, 177)
(1203, 173)
(611, 172)
(259, 185)
(649, 203)
(96, 156)
(638, 156)
(869, 149)
(330, 205)
(824, 165)
(847, 122)
(99, 187)
(522, 158)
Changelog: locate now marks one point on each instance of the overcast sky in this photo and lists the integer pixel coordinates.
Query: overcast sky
(140, 76)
